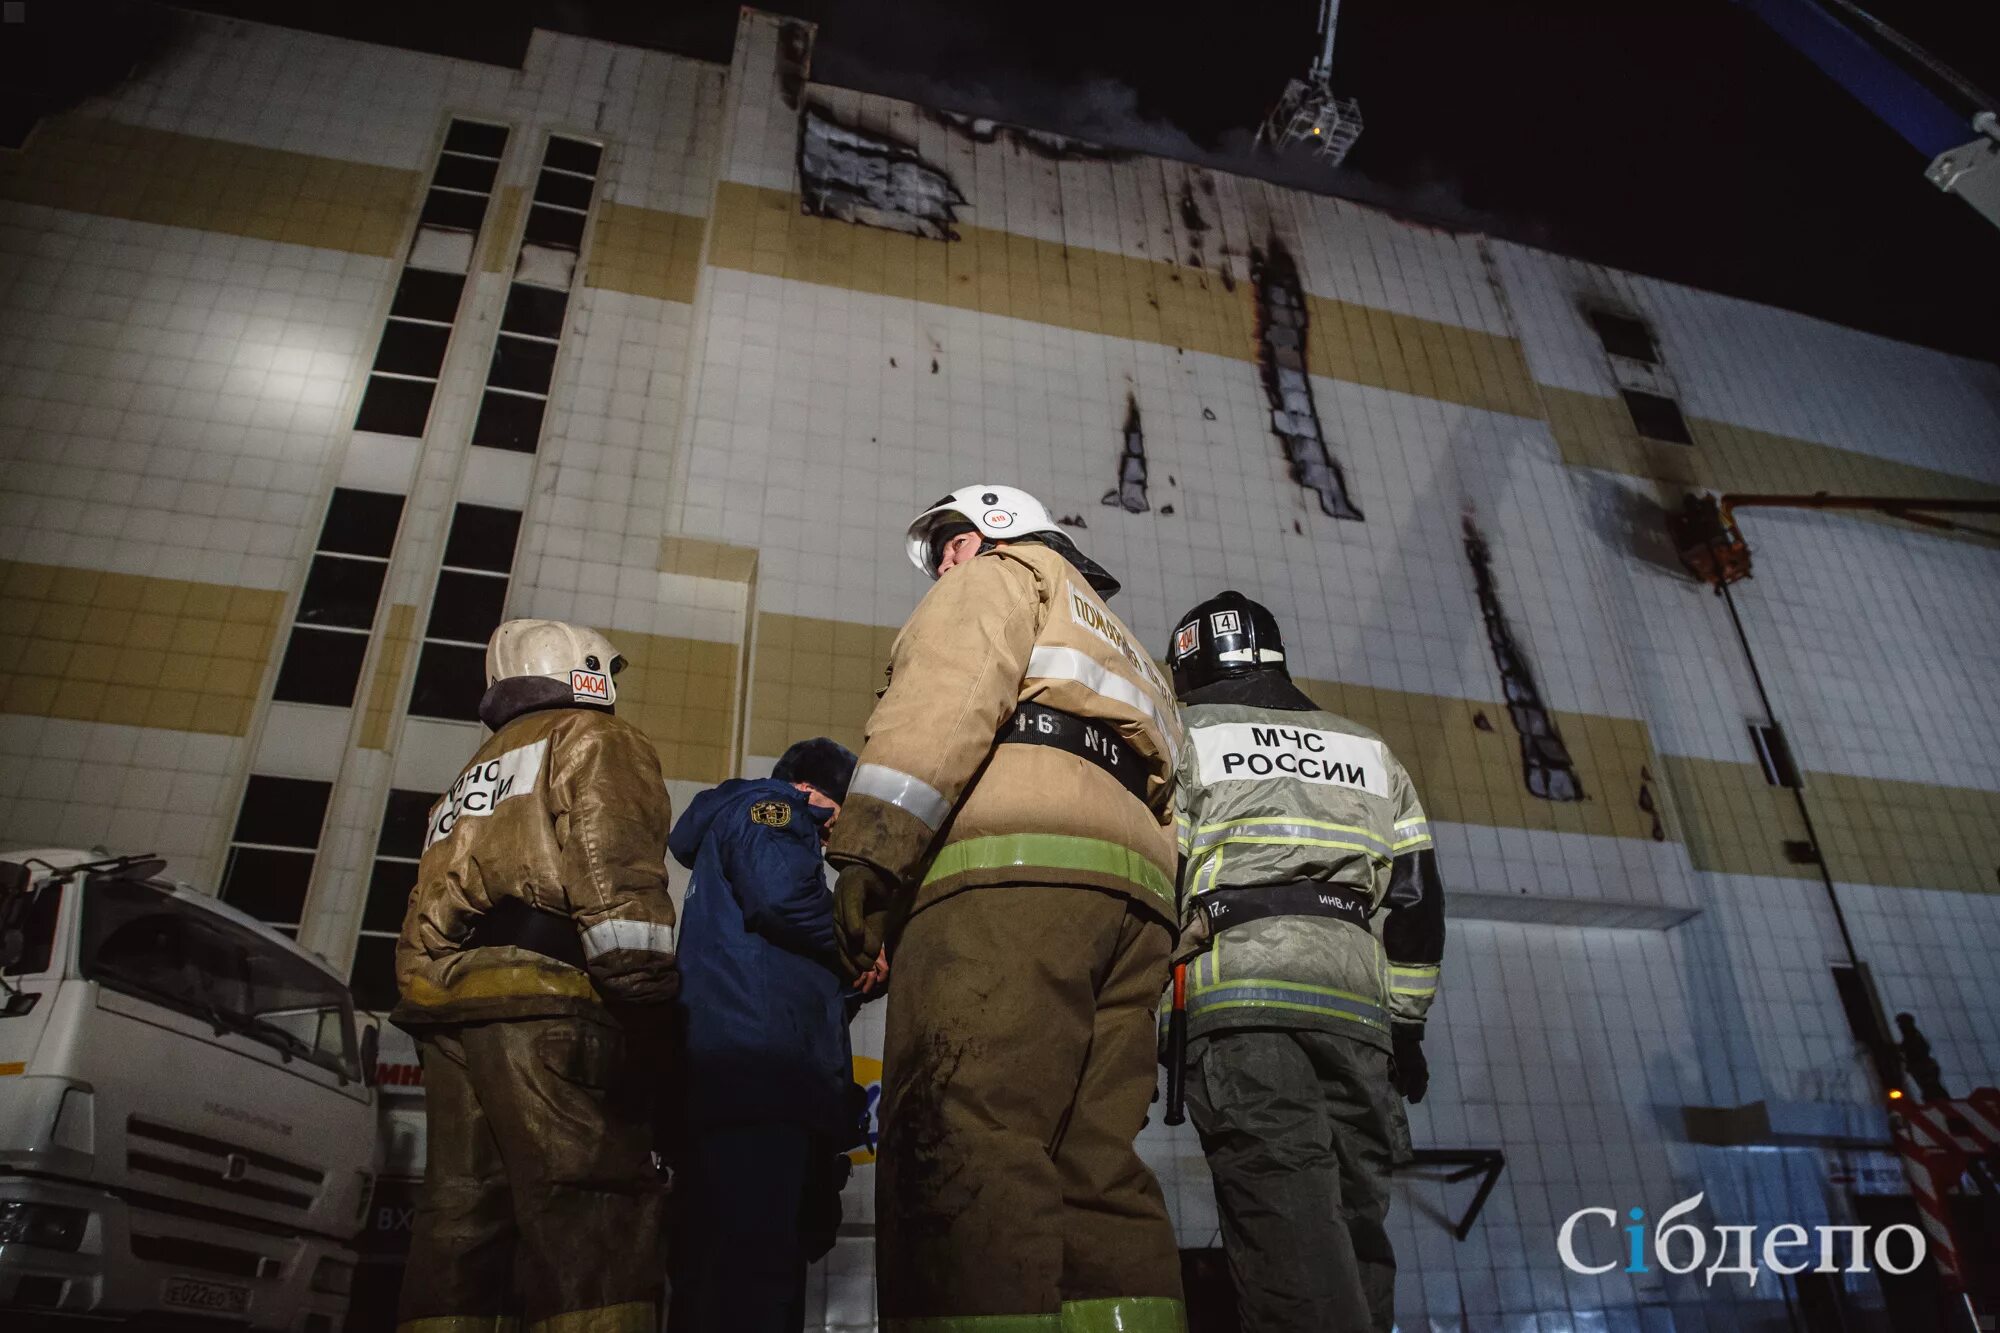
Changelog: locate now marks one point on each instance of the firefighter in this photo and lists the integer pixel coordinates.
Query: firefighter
(1304, 1031)
(1008, 834)
(535, 955)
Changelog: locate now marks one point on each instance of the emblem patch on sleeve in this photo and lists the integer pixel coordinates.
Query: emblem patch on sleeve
(771, 814)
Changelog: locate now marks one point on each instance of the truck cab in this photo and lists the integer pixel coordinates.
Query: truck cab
(187, 1131)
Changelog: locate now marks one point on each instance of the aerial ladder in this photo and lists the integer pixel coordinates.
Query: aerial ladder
(1940, 113)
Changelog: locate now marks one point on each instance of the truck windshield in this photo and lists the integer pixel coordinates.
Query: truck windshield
(146, 942)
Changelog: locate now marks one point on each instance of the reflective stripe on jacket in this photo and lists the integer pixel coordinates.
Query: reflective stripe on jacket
(1273, 796)
(564, 809)
(937, 801)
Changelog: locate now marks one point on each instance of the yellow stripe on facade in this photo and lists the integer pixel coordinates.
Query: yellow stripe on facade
(133, 650)
(1597, 432)
(399, 634)
(1098, 291)
(645, 252)
(682, 694)
(91, 165)
(1873, 831)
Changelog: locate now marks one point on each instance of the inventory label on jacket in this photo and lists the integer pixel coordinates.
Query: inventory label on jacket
(484, 786)
(1256, 752)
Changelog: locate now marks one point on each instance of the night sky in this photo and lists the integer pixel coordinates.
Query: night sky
(1678, 138)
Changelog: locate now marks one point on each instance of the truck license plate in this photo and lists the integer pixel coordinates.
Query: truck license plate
(184, 1293)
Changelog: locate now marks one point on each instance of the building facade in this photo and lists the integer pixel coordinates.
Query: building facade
(319, 358)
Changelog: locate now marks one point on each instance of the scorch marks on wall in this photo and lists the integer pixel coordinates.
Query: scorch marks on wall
(1545, 760)
(1281, 354)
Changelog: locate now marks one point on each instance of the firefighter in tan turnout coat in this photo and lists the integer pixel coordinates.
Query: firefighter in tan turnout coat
(536, 950)
(1009, 836)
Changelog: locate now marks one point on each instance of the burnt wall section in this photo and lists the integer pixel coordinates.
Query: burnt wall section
(1130, 492)
(859, 176)
(1042, 143)
(1281, 354)
(1545, 760)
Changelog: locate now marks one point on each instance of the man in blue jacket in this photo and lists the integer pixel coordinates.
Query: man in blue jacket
(767, 1065)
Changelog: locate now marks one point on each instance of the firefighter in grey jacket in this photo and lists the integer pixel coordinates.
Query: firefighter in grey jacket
(1304, 1031)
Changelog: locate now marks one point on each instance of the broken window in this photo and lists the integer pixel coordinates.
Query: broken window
(273, 846)
(1130, 492)
(1281, 353)
(410, 357)
(1657, 417)
(858, 176)
(1624, 335)
(1774, 754)
(469, 603)
(336, 610)
(1545, 760)
(372, 977)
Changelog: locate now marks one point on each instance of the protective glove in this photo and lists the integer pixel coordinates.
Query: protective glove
(1409, 1072)
(637, 976)
(866, 902)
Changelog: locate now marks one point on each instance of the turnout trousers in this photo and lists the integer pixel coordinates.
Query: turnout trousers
(1018, 1065)
(539, 1195)
(1297, 1125)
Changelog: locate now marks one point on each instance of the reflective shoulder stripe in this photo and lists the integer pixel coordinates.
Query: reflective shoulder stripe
(1050, 663)
(619, 933)
(913, 796)
(1051, 851)
(1412, 835)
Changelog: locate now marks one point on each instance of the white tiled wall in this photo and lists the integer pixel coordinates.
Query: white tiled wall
(176, 403)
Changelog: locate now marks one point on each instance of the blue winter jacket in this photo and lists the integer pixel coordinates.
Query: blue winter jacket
(765, 1025)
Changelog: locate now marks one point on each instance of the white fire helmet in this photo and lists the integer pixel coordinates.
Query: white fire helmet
(576, 655)
(999, 514)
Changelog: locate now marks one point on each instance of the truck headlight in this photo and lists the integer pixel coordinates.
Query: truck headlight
(333, 1276)
(47, 1226)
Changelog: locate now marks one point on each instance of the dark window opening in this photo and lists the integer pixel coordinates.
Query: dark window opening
(321, 666)
(536, 311)
(373, 976)
(572, 155)
(466, 173)
(451, 679)
(269, 885)
(389, 885)
(508, 421)
(522, 363)
(1624, 335)
(427, 294)
(342, 590)
(469, 136)
(468, 607)
(482, 537)
(1774, 752)
(361, 522)
(395, 407)
(1864, 1015)
(552, 187)
(1657, 418)
(404, 820)
(460, 212)
(282, 812)
(412, 349)
(554, 226)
